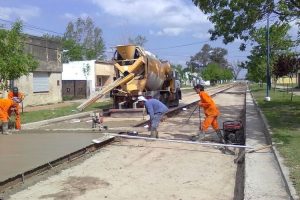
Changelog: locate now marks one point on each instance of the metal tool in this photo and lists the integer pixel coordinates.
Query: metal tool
(175, 141)
(200, 124)
(191, 114)
(97, 120)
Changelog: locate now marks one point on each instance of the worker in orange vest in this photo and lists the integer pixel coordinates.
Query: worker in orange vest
(17, 97)
(5, 108)
(211, 112)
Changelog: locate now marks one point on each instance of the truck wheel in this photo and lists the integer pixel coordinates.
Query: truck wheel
(176, 101)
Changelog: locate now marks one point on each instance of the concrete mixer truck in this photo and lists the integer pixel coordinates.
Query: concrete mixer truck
(138, 72)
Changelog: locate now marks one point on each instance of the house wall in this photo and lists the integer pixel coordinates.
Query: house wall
(48, 55)
(105, 71)
(25, 85)
(287, 80)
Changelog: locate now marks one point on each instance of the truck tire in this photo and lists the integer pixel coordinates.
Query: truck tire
(175, 103)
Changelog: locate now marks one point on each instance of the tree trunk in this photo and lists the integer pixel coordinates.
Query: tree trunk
(275, 85)
(292, 89)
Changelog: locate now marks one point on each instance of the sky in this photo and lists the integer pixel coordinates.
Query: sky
(175, 29)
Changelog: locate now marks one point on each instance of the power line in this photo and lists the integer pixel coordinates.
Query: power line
(182, 45)
(175, 55)
(33, 27)
(60, 48)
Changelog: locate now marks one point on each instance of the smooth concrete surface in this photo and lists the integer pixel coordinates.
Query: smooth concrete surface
(263, 180)
(23, 152)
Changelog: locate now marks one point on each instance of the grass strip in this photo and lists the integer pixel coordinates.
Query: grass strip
(34, 116)
(283, 116)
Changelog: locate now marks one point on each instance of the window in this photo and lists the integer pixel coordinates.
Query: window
(40, 82)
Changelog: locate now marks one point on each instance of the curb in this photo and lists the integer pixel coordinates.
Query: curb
(280, 161)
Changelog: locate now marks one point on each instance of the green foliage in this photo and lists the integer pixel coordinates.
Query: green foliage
(83, 40)
(181, 72)
(237, 19)
(236, 68)
(14, 61)
(86, 70)
(207, 55)
(285, 65)
(74, 51)
(214, 73)
(138, 40)
(283, 115)
(256, 68)
(279, 42)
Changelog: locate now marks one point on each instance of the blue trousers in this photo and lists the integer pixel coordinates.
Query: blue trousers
(155, 121)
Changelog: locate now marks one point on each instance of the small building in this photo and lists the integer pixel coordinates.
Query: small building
(194, 79)
(80, 79)
(287, 80)
(43, 85)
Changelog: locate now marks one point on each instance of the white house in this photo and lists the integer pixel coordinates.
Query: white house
(74, 71)
(82, 78)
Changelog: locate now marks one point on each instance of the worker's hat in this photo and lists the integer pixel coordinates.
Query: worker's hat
(15, 89)
(141, 98)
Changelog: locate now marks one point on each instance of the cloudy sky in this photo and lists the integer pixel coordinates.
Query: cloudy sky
(175, 29)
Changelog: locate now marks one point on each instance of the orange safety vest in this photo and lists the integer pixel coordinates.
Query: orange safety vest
(208, 105)
(5, 105)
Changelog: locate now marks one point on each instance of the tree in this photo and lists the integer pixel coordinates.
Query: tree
(207, 55)
(218, 56)
(237, 19)
(279, 42)
(83, 40)
(286, 65)
(200, 59)
(72, 51)
(236, 69)
(14, 61)
(214, 72)
(256, 68)
(86, 70)
(138, 40)
(180, 71)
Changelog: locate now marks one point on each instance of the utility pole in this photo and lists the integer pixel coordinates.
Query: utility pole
(268, 98)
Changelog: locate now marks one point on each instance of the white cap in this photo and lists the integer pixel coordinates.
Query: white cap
(141, 98)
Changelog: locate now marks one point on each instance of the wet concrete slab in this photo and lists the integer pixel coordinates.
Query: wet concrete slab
(23, 152)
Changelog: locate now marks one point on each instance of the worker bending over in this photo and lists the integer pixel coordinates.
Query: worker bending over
(156, 110)
(210, 110)
(18, 97)
(5, 108)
